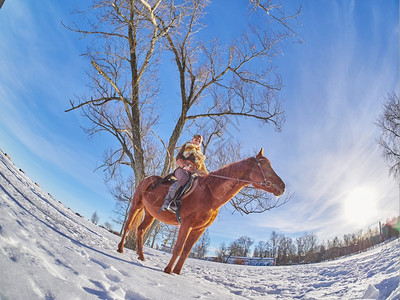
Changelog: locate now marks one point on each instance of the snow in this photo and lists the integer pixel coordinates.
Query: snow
(49, 252)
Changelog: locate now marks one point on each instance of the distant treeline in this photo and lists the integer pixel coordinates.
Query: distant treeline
(306, 249)
(286, 251)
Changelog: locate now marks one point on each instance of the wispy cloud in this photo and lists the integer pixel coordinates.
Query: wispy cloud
(328, 148)
(35, 85)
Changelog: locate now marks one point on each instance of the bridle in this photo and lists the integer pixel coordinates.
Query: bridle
(266, 182)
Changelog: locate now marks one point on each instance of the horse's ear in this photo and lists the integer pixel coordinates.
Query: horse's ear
(261, 153)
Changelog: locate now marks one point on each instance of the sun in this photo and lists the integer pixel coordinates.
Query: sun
(360, 205)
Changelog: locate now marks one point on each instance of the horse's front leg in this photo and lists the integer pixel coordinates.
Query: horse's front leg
(183, 233)
(190, 241)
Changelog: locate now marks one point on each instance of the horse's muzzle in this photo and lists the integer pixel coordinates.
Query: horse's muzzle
(279, 190)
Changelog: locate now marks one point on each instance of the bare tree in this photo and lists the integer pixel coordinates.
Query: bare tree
(389, 141)
(122, 191)
(217, 82)
(108, 226)
(170, 234)
(200, 249)
(262, 249)
(125, 43)
(310, 246)
(95, 218)
(234, 249)
(334, 248)
(154, 235)
(241, 246)
(223, 253)
(300, 248)
(274, 241)
(286, 250)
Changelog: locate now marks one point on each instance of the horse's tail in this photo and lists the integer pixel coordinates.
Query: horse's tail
(134, 219)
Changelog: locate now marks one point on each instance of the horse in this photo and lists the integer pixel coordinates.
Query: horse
(200, 208)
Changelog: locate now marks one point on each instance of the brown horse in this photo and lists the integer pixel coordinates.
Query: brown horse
(200, 208)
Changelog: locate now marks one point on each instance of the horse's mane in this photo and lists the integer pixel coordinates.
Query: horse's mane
(226, 171)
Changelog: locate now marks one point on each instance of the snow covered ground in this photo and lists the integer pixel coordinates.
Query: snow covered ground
(48, 252)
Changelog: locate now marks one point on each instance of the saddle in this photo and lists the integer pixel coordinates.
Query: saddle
(175, 204)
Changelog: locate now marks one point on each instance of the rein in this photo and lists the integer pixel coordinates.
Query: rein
(266, 182)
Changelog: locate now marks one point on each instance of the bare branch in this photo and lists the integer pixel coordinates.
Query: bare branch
(250, 201)
(282, 20)
(389, 141)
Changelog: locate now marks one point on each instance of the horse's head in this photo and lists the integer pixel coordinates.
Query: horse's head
(264, 177)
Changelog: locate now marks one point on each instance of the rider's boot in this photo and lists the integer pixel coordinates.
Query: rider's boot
(170, 196)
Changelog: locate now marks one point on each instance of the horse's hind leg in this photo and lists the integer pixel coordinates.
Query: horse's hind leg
(135, 216)
(148, 220)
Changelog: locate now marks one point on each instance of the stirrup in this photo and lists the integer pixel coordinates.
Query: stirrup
(175, 207)
(168, 207)
(172, 207)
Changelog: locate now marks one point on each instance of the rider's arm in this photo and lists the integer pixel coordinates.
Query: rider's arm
(185, 162)
(186, 165)
(180, 163)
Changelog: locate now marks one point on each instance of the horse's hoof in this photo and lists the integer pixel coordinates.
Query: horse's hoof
(167, 270)
(121, 247)
(141, 258)
(178, 272)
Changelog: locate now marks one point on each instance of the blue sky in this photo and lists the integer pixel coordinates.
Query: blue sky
(334, 87)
